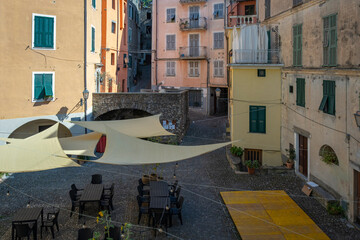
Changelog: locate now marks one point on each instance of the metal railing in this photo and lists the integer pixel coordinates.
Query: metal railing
(188, 23)
(192, 1)
(241, 20)
(244, 56)
(193, 52)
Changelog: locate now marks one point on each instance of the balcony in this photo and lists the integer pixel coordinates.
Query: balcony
(193, 53)
(187, 24)
(243, 56)
(192, 1)
(241, 20)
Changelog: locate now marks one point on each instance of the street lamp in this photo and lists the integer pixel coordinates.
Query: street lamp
(217, 93)
(85, 96)
(357, 118)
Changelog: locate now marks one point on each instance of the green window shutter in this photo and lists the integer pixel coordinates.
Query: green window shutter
(333, 41)
(331, 94)
(38, 31)
(299, 47)
(323, 102)
(48, 32)
(93, 39)
(38, 86)
(253, 118)
(94, 3)
(261, 119)
(48, 84)
(300, 92)
(295, 45)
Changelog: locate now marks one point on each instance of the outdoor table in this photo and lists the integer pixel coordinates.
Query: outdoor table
(91, 193)
(157, 207)
(159, 189)
(27, 215)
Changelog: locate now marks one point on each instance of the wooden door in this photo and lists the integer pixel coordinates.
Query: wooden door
(357, 194)
(303, 153)
(194, 45)
(194, 16)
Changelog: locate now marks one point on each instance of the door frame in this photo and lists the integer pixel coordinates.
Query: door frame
(297, 147)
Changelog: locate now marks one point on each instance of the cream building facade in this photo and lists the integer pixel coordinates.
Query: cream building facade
(320, 91)
(43, 64)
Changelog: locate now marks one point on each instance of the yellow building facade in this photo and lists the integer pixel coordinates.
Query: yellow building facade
(43, 64)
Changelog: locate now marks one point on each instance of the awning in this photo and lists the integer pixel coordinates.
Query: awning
(81, 145)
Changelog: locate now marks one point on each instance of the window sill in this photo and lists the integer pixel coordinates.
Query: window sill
(43, 100)
(194, 76)
(43, 48)
(170, 75)
(218, 76)
(258, 132)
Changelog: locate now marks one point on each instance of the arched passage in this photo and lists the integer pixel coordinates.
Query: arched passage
(36, 126)
(125, 113)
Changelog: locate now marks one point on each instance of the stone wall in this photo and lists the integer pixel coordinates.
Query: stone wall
(173, 106)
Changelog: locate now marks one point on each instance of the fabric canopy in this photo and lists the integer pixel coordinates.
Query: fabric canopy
(126, 150)
(34, 154)
(81, 145)
(139, 127)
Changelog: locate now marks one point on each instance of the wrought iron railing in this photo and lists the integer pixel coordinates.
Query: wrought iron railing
(193, 52)
(192, 23)
(245, 56)
(192, 1)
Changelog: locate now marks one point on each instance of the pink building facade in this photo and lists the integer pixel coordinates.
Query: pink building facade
(189, 51)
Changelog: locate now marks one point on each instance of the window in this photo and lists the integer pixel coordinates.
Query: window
(124, 63)
(328, 101)
(218, 68)
(218, 10)
(297, 45)
(148, 15)
(300, 92)
(170, 68)
(257, 119)
(112, 59)
(170, 42)
(267, 8)
(219, 40)
(43, 85)
(113, 4)
(330, 40)
(131, 12)
(92, 39)
(43, 31)
(253, 154)
(130, 34)
(194, 69)
(93, 3)
(250, 10)
(195, 98)
(261, 72)
(170, 15)
(113, 26)
(130, 61)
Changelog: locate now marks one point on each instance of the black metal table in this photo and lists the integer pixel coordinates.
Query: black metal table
(27, 215)
(91, 193)
(159, 189)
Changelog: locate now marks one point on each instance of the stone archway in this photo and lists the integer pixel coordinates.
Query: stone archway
(33, 127)
(120, 114)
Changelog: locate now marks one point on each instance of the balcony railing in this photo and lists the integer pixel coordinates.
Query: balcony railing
(192, 1)
(193, 52)
(241, 20)
(256, 57)
(189, 24)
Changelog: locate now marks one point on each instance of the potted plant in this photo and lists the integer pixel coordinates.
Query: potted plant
(252, 165)
(237, 151)
(291, 157)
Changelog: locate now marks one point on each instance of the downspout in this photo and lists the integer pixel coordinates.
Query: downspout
(85, 58)
(117, 43)
(207, 86)
(156, 44)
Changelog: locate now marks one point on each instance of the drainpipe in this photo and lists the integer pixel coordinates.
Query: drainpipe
(117, 43)
(156, 44)
(85, 58)
(207, 86)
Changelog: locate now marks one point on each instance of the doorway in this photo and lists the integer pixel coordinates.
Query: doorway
(194, 14)
(303, 155)
(357, 195)
(194, 45)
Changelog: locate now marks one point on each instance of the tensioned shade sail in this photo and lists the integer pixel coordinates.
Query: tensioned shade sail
(138, 127)
(126, 150)
(31, 155)
(81, 145)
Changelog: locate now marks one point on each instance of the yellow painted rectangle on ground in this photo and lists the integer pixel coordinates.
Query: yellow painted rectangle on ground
(269, 215)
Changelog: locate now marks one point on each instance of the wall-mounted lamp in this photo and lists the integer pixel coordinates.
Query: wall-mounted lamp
(85, 94)
(357, 118)
(217, 92)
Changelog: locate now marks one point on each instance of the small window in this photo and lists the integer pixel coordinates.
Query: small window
(170, 15)
(112, 59)
(253, 154)
(44, 31)
(218, 10)
(148, 15)
(328, 101)
(219, 40)
(250, 10)
(300, 92)
(257, 116)
(130, 35)
(194, 69)
(113, 4)
(124, 63)
(93, 3)
(170, 42)
(170, 68)
(43, 86)
(328, 155)
(113, 26)
(131, 12)
(130, 61)
(218, 68)
(92, 39)
(261, 72)
(291, 89)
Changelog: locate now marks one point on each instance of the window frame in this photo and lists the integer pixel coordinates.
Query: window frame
(328, 50)
(113, 23)
(194, 69)
(300, 92)
(93, 43)
(113, 5)
(219, 17)
(296, 49)
(167, 20)
(129, 35)
(93, 4)
(33, 86)
(257, 130)
(166, 40)
(169, 73)
(328, 98)
(218, 69)
(33, 31)
(215, 41)
(112, 58)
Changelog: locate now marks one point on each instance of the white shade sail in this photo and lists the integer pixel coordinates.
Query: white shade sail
(126, 150)
(81, 145)
(138, 127)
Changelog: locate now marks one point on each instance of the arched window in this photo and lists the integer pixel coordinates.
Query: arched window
(328, 155)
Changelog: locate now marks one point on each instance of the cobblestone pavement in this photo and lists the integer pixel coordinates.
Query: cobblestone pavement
(201, 178)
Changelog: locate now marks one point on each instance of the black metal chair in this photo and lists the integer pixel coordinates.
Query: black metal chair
(177, 210)
(77, 190)
(107, 198)
(96, 179)
(143, 209)
(175, 196)
(23, 230)
(74, 201)
(85, 234)
(51, 221)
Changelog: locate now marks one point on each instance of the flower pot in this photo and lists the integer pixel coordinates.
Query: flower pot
(289, 165)
(153, 177)
(251, 171)
(145, 179)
